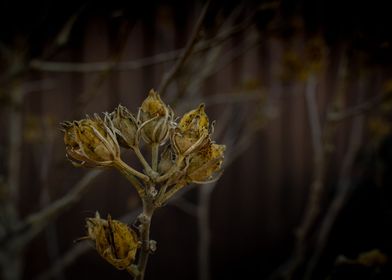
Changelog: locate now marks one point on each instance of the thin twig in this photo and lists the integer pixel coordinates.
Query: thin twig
(187, 51)
(342, 193)
(66, 259)
(83, 67)
(361, 108)
(203, 214)
(154, 156)
(312, 209)
(14, 154)
(11, 259)
(43, 156)
(36, 222)
(144, 230)
(131, 174)
(184, 205)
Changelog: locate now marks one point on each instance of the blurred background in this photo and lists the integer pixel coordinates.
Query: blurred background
(301, 95)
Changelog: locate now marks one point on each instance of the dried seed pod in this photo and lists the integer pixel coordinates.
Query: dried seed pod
(155, 118)
(114, 241)
(126, 126)
(91, 142)
(192, 132)
(205, 163)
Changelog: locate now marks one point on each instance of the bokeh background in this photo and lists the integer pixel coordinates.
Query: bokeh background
(301, 95)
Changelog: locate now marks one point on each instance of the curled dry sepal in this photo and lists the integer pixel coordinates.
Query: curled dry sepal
(182, 152)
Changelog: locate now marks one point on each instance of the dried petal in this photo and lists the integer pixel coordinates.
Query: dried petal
(114, 241)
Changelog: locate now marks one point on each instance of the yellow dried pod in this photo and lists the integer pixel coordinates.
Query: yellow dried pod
(205, 163)
(192, 132)
(195, 120)
(114, 241)
(153, 106)
(155, 119)
(90, 142)
(125, 125)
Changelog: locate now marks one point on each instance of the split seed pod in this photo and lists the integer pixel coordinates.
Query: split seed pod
(155, 119)
(91, 142)
(114, 241)
(126, 126)
(192, 132)
(205, 163)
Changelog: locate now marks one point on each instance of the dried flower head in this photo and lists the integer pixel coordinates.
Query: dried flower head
(192, 132)
(91, 142)
(188, 156)
(126, 126)
(114, 241)
(155, 118)
(205, 163)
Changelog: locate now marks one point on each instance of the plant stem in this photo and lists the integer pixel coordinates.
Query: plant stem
(168, 78)
(130, 174)
(154, 156)
(167, 195)
(144, 229)
(172, 170)
(143, 161)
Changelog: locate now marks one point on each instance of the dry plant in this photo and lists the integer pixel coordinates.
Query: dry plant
(181, 153)
(17, 231)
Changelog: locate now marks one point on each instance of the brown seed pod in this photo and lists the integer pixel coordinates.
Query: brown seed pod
(114, 241)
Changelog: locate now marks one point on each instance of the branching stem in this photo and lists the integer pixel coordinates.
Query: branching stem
(132, 175)
(154, 156)
(144, 230)
(172, 191)
(146, 165)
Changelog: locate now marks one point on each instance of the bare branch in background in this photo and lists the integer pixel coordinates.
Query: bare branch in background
(115, 57)
(12, 263)
(312, 209)
(167, 79)
(343, 190)
(36, 222)
(359, 109)
(66, 260)
(187, 207)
